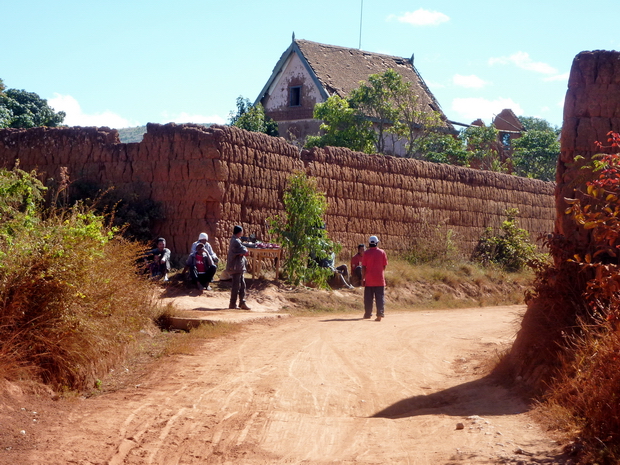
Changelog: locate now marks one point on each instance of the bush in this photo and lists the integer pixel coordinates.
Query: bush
(71, 296)
(301, 231)
(432, 243)
(511, 249)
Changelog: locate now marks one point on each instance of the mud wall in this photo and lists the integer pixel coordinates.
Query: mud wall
(209, 179)
(591, 110)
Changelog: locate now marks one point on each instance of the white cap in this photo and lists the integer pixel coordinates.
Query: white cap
(373, 240)
(203, 236)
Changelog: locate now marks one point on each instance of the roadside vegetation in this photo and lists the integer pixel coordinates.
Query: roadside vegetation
(570, 333)
(72, 297)
(76, 302)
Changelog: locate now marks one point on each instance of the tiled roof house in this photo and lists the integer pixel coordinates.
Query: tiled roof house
(308, 73)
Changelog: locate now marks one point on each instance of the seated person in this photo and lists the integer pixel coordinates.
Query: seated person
(201, 267)
(160, 266)
(203, 239)
(356, 266)
(341, 273)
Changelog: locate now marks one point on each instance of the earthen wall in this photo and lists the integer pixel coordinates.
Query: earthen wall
(209, 179)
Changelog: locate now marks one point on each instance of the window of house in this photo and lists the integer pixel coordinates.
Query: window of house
(505, 138)
(295, 93)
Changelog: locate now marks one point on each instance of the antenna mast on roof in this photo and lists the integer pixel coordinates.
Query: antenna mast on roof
(361, 15)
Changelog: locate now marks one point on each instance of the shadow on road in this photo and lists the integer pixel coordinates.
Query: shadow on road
(483, 396)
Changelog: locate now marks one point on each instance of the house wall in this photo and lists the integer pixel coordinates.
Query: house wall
(296, 121)
(209, 179)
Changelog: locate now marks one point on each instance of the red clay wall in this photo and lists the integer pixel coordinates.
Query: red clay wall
(209, 179)
(591, 110)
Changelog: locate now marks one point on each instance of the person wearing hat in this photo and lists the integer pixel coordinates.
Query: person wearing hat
(203, 239)
(374, 262)
(235, 266)
(356, 265)
(201, 266)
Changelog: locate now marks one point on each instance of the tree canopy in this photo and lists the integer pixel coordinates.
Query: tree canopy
(384, 107)
(252, 118)
(342, 126)
(22, 109)
(536, 152)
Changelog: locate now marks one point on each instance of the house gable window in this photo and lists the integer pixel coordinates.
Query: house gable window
(505, 138)
(295, 96)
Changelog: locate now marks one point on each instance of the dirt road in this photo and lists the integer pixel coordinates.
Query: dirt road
(316, 390)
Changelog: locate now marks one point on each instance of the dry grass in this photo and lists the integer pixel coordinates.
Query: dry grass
(415, 287)
(187, 343)
(584, 398)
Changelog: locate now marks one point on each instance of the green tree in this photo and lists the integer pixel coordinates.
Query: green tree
(21, 109)
(252, 118)
(302, 233)
(383, 106)
(342, 126)
(536, 152)
(375, 100)
(443, 148)
(416, 123)
(482, 147)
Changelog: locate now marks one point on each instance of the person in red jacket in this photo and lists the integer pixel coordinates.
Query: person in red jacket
(374, 262)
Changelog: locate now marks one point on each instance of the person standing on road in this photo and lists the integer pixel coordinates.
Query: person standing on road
(235, 266)
(374, 262)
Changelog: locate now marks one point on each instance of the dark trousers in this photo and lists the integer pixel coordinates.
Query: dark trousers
(371, 294)
(206, 277)
(238, 289)
(356, 276)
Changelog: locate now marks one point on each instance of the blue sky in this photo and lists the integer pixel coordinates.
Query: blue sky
(128, 62)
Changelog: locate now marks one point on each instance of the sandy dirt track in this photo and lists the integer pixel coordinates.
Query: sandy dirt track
(316, 390)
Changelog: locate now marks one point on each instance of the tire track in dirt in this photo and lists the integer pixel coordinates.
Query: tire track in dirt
(315, 390)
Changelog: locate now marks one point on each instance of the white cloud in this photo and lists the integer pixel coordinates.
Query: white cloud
(559, 77)
(76, 117)
(522, 60)
(184, 117)
(469, 82)
(421, 17)
(470, 109)
(435, 85)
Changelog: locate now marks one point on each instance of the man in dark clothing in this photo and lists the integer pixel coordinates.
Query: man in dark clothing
(235, 266)
(374, 262)
(356, 265)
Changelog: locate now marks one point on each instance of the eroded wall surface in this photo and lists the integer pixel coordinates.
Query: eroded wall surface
(591, 110)
(209, 179)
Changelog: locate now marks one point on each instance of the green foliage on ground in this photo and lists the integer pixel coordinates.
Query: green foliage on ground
(509, 248)
(252, 118)
(301, 232)
(22, 109)
(71, 298)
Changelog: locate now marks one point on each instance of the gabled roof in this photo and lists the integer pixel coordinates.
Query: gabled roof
(508, 121)
(339, 70)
